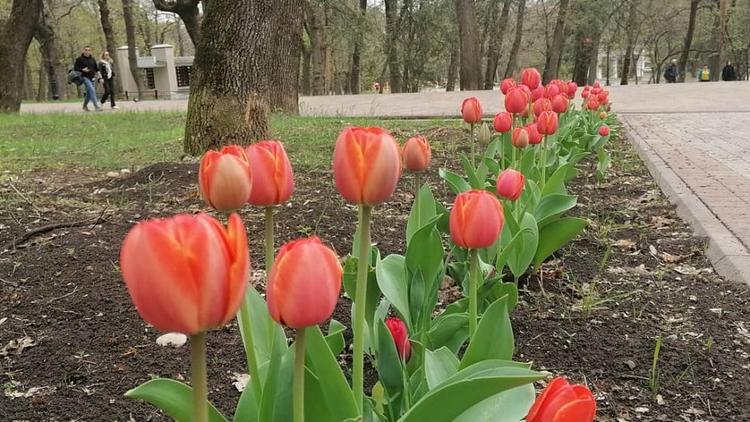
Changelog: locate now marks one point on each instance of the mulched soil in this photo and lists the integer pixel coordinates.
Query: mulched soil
(71, 343)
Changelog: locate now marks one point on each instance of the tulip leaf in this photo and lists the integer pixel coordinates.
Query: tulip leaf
(456, 182)
(513, 244)
(260, 323)
(493, 338)
(388, 363)
(425, 253)
(391, 278)
(173, 398)
(439, 365)
(335, 337)
(247, 406)
(471, 173)
(350, 284)
(510, 289)
(450, 331)
(422, 212)
(508, 406)
(556, 235)
(602, 165)
(556, 182)
(276, 400)
(316, 406)
(522, 255)
(552, 206)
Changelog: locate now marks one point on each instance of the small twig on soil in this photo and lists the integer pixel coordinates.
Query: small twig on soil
(25, 198)
(54, 299)
(49, 227)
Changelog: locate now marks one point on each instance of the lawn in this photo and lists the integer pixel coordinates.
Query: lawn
(112, 141)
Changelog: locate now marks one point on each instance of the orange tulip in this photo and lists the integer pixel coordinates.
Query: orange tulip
(503, 122)
(562, 402)
(517, 100)
(531, 77)
(225, 178)
(416, 154)
(471, 110)
(520, 138)
(273, 180)
(510, 184)
(304, 283)
(366, 165)
(476, 219)
(546, 123)
(187, 273)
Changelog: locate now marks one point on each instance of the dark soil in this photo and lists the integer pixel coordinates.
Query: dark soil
(635, 275)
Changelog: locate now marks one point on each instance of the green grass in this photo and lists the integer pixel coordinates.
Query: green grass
(124, 140)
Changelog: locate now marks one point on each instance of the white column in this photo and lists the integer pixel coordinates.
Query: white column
(165, 78)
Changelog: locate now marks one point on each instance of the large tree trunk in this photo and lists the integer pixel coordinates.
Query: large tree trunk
(17, 32)
(354, 82)
(306, 77)
(54, 68)
(452, 68)
(188, 11)
(468, 35)
(497, 35)
(287, 43)
(594, 59)
(551, 65)
(109, 35)
(391, 47)
(513, 57)
(682, 64)
(233, 71)
(631, 39)
(319, 49)
(127, 14)
(718, 41)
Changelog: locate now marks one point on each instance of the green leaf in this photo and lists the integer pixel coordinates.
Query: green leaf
(499, 290)
(391, 277)
(425, 254)
(350, 284)
(521, 256)
(551, 206)
(388, 363)
(422, 211)
(316, 406)
(276, 401)
(450, 331)
(494, 336)
(335, 337)
(261, 322)
(439, 365)
(471, 173)
(508, 406)
(247, 406)
(603, 163)
(325, 366)
(173, 398)
(456, 182)
(556, 182)
(556, 235)
(514, 243)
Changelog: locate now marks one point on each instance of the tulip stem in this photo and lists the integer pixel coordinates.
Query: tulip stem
(246, 331)
(198, 376)
(543, 163)
(473, 281)
(473, 147)
(299, 376)
(269, 240)
(363, 262)
(417, 185)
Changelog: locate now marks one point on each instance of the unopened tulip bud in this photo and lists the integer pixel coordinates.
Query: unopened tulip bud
(551, 90)
(602, 115)
(560, 103)
(506, 85)
(416, 154)
(531, 77)
(604, 131)
(476, 219)
(562, 402)
(537, 93)
(520, 138)
(517, 100)
(546, 123)
(535, 137)
(471, 110)
(225, 178)
(541, 105)
(484, 134)
(572, 88)
(503, 122)
(510, 184)
(400, 335)
(273, 180)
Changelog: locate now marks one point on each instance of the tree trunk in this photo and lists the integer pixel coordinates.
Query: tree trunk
(718, 41)
(233, 72)
(306, 79)
(391, 47)
(497, 35)
(551, 65)
(127, 14)
(631, 39)
(354, 82)
(28, 90)
(54, 68)
(17, 32)
(468, 35)
(319, 47)
(594, 59)
(41, 88)
(513, 57)
(109, 35)
(452, 68)
(188, 11)
(287, 43)
(682, 65)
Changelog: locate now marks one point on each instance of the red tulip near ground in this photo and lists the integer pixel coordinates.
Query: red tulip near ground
(304, 283)
(520, 138)
(225, 178)
(604, 131)
(510, 184)
(562, 402)
(400, 335)
(366, 165)
(531, 77)
(503, 122)
(546, 123)
(273, 180)
(187, 273)
(517, 100)
(535, 137)
(476, 219)
(471, 110)
(416, 154)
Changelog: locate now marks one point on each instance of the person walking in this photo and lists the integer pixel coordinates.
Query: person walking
(108, 79)
(728, 73)
(670, 74)
(86, 64)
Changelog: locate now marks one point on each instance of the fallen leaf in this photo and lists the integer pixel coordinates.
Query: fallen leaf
(240, 381)
(624, 244)
(172, 339)
(17, 346)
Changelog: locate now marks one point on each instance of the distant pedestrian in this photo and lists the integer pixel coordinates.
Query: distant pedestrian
(670, 74)
(704, 74)
(108, 79)
(86, 64)
(728, 73)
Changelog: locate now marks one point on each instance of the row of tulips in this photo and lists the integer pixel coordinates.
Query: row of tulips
(190, 274)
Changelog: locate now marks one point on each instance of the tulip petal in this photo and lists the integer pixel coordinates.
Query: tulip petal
(541, 402)
(582, 410)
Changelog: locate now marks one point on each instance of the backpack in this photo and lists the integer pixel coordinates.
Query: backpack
(74, 76)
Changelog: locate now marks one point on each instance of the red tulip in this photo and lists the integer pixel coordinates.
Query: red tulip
(603, 97)
(551, 90)
(416, 154)
(592, 103)
(572, 88)
(503, 122)
(562, 402)
(506, 85)
(597, 84)
(400, 335)
(225, 178)
(520, 137)
(547, 123)
(537, 93)
(542, 104)
(273, 180)
(560, 103)
(471, 110)
(476, 219)
(304, 283)
(535, 137)
(531, 77)
(510, 184)
(366, 165)
(596, 90)
(585, 93)
(517, 100)
(187, 273)
(604, 130)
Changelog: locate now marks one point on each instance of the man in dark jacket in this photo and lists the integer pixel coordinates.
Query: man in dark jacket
(670, 74)
(728, 73)
(86, 64)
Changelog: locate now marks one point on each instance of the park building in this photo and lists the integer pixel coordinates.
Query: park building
(164, 75)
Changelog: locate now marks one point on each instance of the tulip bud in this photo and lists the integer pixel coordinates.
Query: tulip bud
(535, 137)
(561, 401)
(273, 180)
(542, 104)
(304, 283)
(572, 88)
(551, 90)
(187, 273)
(503, 122)
(471, 110)
(520, 137)
(531, 77)
(416, 154)
(603, 97)
(602, 115)
(517, 100)
(592, 103)
(537, 93)
(510, 184)
(560, 104)
(585, 93)
(596, 84)
(400, 335)
(476, 219)
(225, 178)
(506, 85)
(484, 134)
(366, 165)
(596, 90)
(604, 131)
(547, 123)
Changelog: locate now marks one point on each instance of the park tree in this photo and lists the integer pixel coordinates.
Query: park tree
(109, 33)
(552, 59)
(468, 33)
(498, 26)
(354, 81)
(188, 12)
(127, 14)
(514, 49)
(17, 32)
(689, 33)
